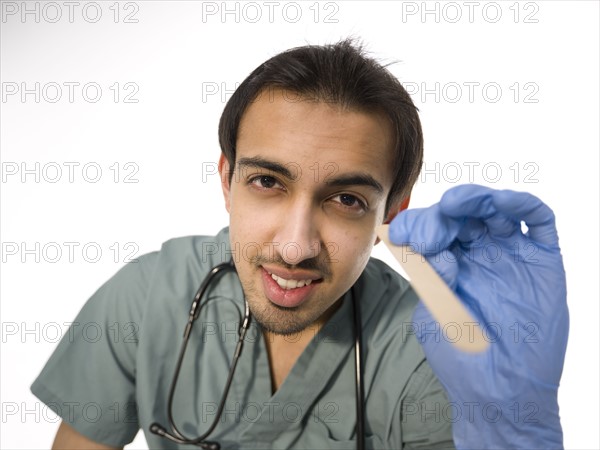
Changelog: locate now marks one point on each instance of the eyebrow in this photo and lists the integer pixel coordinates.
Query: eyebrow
(350, 179)
(355, 179)
(261, 163)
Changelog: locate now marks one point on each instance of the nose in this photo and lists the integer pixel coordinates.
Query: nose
(298, 236)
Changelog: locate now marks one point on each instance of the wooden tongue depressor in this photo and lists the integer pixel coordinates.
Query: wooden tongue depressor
(444, 306)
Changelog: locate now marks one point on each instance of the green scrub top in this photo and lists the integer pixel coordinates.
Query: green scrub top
(110, 374)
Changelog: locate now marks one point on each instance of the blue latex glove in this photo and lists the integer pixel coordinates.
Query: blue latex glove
(514, 285)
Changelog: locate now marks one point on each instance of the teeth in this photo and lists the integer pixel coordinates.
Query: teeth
(290, 284)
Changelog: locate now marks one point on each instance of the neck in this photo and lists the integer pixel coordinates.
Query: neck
(284, 350)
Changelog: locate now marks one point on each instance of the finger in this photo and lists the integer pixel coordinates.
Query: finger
(502, 211)
(426, 228)
(468, 200)
(473, 230)
(445, 263)
(538, 216)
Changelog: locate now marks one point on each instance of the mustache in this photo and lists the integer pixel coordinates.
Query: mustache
(315, 264)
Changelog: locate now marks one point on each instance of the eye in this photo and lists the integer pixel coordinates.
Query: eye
(264, 181)
(350, 202)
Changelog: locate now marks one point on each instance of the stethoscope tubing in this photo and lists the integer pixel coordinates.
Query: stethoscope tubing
(177, 436)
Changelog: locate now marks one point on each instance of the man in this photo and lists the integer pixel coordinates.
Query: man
(320, 145)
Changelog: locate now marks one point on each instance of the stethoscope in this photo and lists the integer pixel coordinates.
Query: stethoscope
(177, 436)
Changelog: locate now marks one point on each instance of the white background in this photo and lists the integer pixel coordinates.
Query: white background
(176, 52)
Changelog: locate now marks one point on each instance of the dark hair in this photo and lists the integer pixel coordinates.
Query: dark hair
(342, 74)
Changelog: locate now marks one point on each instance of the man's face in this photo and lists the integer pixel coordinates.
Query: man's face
(308, 188)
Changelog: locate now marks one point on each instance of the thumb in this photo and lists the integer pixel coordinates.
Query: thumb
(428, 228)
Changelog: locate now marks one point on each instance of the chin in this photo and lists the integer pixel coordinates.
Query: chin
(279, 320)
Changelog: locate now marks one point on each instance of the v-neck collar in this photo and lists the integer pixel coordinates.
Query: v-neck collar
(307, 378)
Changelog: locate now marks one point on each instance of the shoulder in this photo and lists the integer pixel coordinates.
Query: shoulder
(387, 303)
(397, 371)
(177, 266)
(211, 250)
(384, 292)
(191, 255)
(171, 275)
(176, 252)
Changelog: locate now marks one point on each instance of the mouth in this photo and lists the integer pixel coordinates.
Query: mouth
(288, 292)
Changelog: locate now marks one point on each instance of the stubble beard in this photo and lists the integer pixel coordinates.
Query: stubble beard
(277, 319)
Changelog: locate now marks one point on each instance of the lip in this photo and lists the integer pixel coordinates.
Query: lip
(287, 298)
(292, 274)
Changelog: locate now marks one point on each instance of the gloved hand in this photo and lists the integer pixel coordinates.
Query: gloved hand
(514, 285)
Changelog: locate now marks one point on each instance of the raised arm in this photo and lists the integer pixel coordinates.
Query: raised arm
(514, 284)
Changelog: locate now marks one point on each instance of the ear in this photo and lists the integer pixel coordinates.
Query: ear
(224, 171)
(394, 211)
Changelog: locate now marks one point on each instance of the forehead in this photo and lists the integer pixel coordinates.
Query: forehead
(286, 127)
